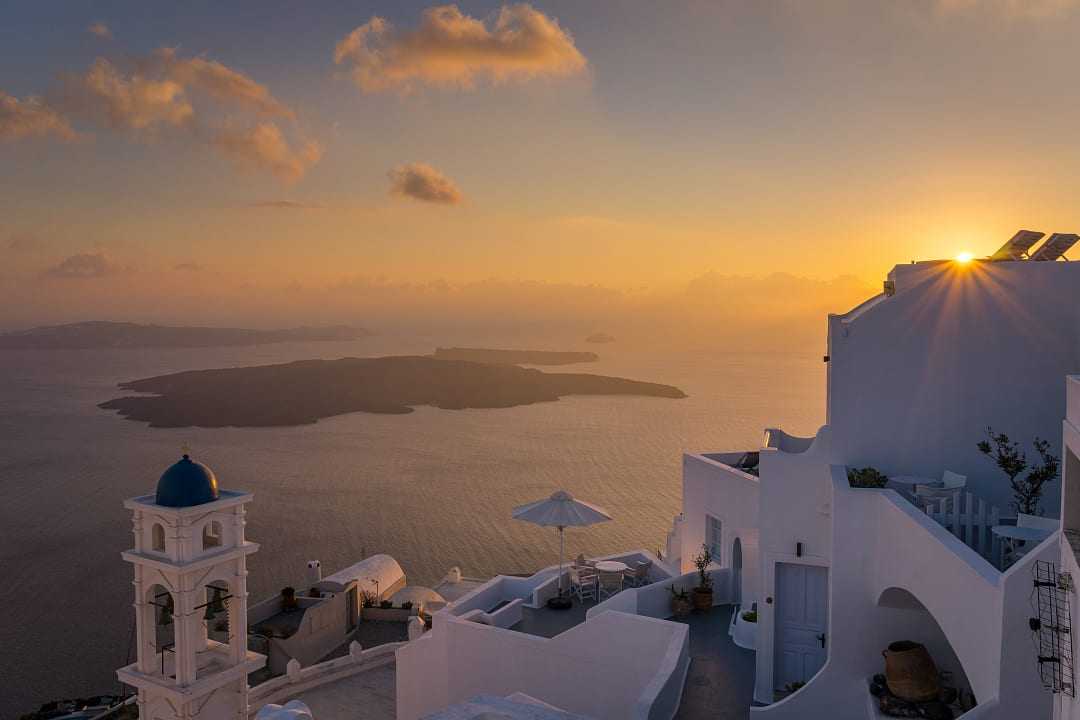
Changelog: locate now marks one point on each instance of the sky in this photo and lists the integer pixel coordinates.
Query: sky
(269, 162)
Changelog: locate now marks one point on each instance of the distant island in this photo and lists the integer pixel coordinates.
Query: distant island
(303, 392)
(105, 334)
(515, 357)
(599, 337)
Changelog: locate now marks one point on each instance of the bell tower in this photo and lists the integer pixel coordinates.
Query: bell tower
(190, 562)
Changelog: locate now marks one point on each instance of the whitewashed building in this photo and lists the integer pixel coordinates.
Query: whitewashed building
(915, 377)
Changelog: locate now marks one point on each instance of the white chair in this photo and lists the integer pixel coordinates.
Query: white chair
(611, 583)
(638, 576)
(951, 486)
(1037, 521)
(583, 583)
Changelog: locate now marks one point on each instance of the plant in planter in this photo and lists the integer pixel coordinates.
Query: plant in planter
(680, 602)
(866, 477)
(288, 599)
(407, 605)
(750, 616)
(367, 600)
(703, 593)
(1011, 460)
(385, 604)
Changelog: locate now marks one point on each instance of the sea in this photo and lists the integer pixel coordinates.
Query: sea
(433, 488)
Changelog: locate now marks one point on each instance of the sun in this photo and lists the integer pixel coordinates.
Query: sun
(964, 257)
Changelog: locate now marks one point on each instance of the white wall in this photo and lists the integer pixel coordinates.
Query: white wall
(732, 496)
(602, 668)
(915, 379)
(882, 542)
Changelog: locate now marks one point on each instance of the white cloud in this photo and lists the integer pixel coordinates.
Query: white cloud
(451, 49)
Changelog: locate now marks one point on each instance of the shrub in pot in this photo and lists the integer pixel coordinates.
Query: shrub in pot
(288, 599)
(680, 602)
(703, 593)
(750, 616)
(866, 477)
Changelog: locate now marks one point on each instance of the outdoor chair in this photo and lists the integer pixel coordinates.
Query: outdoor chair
(611, 583)
(583, 583)
(638, 575)
(951, 486)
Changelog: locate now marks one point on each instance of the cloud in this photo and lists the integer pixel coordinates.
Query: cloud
(286, 205)
(101, 30)
(29, 118)
(135, 102)
(23, 242)
(423, 182)
(221, 83)
(193, 98)
(1010, 9)
(451, 49)
(188, 267)
(264, 147)
(81, 267)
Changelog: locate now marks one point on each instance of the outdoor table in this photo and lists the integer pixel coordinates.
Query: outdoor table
(613, 566)
(1027, 534)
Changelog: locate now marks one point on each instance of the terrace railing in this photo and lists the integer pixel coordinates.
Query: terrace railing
(969, 518)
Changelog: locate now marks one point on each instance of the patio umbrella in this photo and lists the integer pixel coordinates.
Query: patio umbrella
(561, 511)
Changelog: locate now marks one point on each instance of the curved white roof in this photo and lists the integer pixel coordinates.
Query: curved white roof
(381, 568)
(416, 594)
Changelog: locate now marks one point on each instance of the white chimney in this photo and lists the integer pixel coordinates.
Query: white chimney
(314, 571)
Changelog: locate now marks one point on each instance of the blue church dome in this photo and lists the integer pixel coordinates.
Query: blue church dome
(186, 483)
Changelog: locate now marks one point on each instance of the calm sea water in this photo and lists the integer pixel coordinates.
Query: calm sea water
(433, 488)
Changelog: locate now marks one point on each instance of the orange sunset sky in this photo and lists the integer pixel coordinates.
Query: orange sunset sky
(272, 163)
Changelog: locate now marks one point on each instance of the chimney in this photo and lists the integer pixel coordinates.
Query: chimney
(314, 571)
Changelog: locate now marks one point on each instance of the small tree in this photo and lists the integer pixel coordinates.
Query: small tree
(702, 561)
(1011, 460)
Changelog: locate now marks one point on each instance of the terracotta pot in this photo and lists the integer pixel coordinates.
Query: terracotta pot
(702, 599)
(910, 672)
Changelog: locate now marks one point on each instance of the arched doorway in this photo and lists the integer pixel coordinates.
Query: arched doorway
(736, 572)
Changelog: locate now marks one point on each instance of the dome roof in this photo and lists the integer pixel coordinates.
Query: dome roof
(186, 483)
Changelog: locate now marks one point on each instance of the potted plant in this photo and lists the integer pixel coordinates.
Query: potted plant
(385, 604)
(288, 599)
(703, 593)
(866, 477)
(680, 602)
(1011, 460)
(749, 616)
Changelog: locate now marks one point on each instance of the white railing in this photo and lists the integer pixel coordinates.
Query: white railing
(297, 679)
(970, 519)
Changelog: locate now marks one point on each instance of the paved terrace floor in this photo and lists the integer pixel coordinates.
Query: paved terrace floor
(368, 695)
(720, 682)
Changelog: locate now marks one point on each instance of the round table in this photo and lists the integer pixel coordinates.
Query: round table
(611, 566)
(1028, 534)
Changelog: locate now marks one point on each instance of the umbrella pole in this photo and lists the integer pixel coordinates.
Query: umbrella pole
(562, 554)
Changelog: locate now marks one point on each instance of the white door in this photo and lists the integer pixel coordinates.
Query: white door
(801, 622)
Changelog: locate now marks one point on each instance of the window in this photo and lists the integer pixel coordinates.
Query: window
(714, 538)
(157, 538)
(211, 534)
